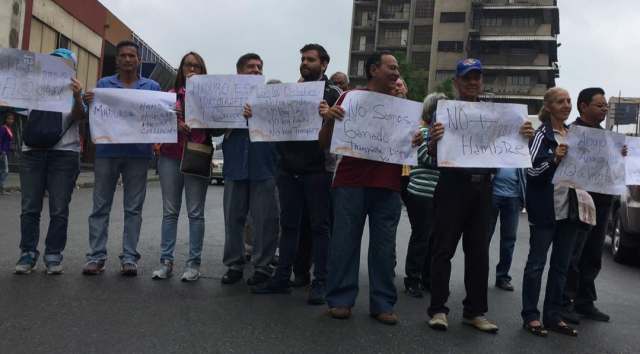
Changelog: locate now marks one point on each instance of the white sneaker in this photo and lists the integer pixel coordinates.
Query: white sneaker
(165, 271)
(481, 323)
(439, 322)
(54, 269)
(190, 274)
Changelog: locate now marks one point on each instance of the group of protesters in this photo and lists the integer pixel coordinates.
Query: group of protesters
(309, 206)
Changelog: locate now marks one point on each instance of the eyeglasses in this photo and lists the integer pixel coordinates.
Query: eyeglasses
(193, 66)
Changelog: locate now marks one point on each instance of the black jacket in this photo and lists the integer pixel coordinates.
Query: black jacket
(303, 157)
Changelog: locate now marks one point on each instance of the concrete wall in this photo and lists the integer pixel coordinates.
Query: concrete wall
(12, 14)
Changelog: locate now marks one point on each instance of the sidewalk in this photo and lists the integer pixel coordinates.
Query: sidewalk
(85, 180)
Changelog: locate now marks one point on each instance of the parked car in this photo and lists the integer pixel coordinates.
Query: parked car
(624, 227)
(217, 163)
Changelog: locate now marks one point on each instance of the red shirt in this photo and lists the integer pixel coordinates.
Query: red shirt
(174, 151)
(355, 172)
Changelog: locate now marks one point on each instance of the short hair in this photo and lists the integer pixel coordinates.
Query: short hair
(243, 60)
(375, 59)
(340, 73)
(128, 43)
(586, 95)
(324, 56)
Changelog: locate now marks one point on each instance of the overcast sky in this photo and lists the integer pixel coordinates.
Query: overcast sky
(600, 41)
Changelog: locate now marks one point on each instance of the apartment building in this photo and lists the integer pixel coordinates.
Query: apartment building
(515, 39)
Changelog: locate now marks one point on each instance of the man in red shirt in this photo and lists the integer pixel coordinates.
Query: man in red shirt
(361, 189)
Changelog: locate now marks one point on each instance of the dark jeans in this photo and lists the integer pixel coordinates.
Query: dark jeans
(586, 261)
(302, 265)
(562, 235)
(298, 192)
(54, 171)
(462, 205)
(353, 206)
(508, 208)
(418, 262)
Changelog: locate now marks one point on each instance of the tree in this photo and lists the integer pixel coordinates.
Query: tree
(416, 79)
(446, 87)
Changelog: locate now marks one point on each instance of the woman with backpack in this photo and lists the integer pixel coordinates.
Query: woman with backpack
(50, 163)
(6, 137)
(173, 181)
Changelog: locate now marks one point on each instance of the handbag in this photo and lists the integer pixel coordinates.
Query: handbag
(196, 159)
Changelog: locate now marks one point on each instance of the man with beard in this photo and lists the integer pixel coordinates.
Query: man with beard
(303, 184)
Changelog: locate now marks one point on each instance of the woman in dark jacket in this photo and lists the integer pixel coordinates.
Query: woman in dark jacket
(547, 207)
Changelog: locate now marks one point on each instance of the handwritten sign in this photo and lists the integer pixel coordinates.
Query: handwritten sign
(632, 162)
(216, 101)
(377, 127)
(286, 112)
(35, 81)
(119, 116)
(593, 162)
(482, 134)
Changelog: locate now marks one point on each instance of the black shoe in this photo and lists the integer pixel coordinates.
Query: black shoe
(317, 293)
(592, 313)
(258, 278)
(504, 285)
(271, 287)
(569, 314)
(232, 276)
(300, 282)
(412, 287)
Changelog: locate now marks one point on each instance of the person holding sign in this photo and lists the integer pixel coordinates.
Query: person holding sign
(131, 161)
(580, 291)
(462, 203)
(50, 163)
(173, 181)
(304, 184)
(249, 188)
(361, 189)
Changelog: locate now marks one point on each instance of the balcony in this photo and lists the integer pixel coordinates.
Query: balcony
(521, 4)
(392, 43)
(539, 30)
(499, 87)
(357, 48)
(509, 59)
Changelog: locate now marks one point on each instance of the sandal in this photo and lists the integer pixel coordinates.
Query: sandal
(538, 330)
(563, 328)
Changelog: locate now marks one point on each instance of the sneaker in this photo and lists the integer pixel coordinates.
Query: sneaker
(54, 268)
(165, 271)
(317, 292)
(232, 276)
(258, 278)
(592, 313)
(26, 263)
(439, 322)
(388, 318)
(340, 313)
(504, 285)
(271, 287)
(192, 273)
(412, 287)
(129, 269)
(93, 267)
(481, 323)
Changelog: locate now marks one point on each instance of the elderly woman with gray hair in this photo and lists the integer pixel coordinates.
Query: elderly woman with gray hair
(422, 183)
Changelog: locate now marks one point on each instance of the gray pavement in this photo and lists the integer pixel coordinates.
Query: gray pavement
(109, 314)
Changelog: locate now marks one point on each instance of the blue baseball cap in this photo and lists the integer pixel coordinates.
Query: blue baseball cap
(467, 65)
(66, 54)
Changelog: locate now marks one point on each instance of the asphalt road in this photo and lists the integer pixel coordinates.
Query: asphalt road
(111, 314)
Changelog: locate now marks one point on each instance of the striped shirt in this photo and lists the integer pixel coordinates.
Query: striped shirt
(424, 177)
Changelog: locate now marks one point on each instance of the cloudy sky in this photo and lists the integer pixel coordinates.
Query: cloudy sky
(600, 42)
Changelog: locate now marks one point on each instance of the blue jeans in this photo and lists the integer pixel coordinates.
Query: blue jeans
(508, 208)
(4, 169)
(54, 171)
(134, 181)
(172, 182)
(300, 193)
(352, 206)
(563, 236)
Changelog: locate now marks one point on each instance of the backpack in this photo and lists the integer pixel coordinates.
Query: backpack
(43, 129)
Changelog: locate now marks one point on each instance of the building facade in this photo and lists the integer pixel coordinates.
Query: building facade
(515, 39)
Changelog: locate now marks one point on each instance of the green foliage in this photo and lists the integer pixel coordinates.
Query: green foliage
(446, 87)
(416, 79)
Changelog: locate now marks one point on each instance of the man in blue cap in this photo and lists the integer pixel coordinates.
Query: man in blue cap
(50, 166)
(462, 204)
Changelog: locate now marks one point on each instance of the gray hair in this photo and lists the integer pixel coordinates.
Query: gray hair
(273, 81)
(430, 104)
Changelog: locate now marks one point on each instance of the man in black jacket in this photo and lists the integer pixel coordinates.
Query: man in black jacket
(304, 184)
(580, 291)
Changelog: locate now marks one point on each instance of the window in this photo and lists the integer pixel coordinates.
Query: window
(453, 17)
(422, 35)
(421, 60)
(361, 68)
(523, 21)
(450, 46)
(443, 75)
(424, 8)
(63, 42)
(391, 34)
(519, 80)
(492, 21)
